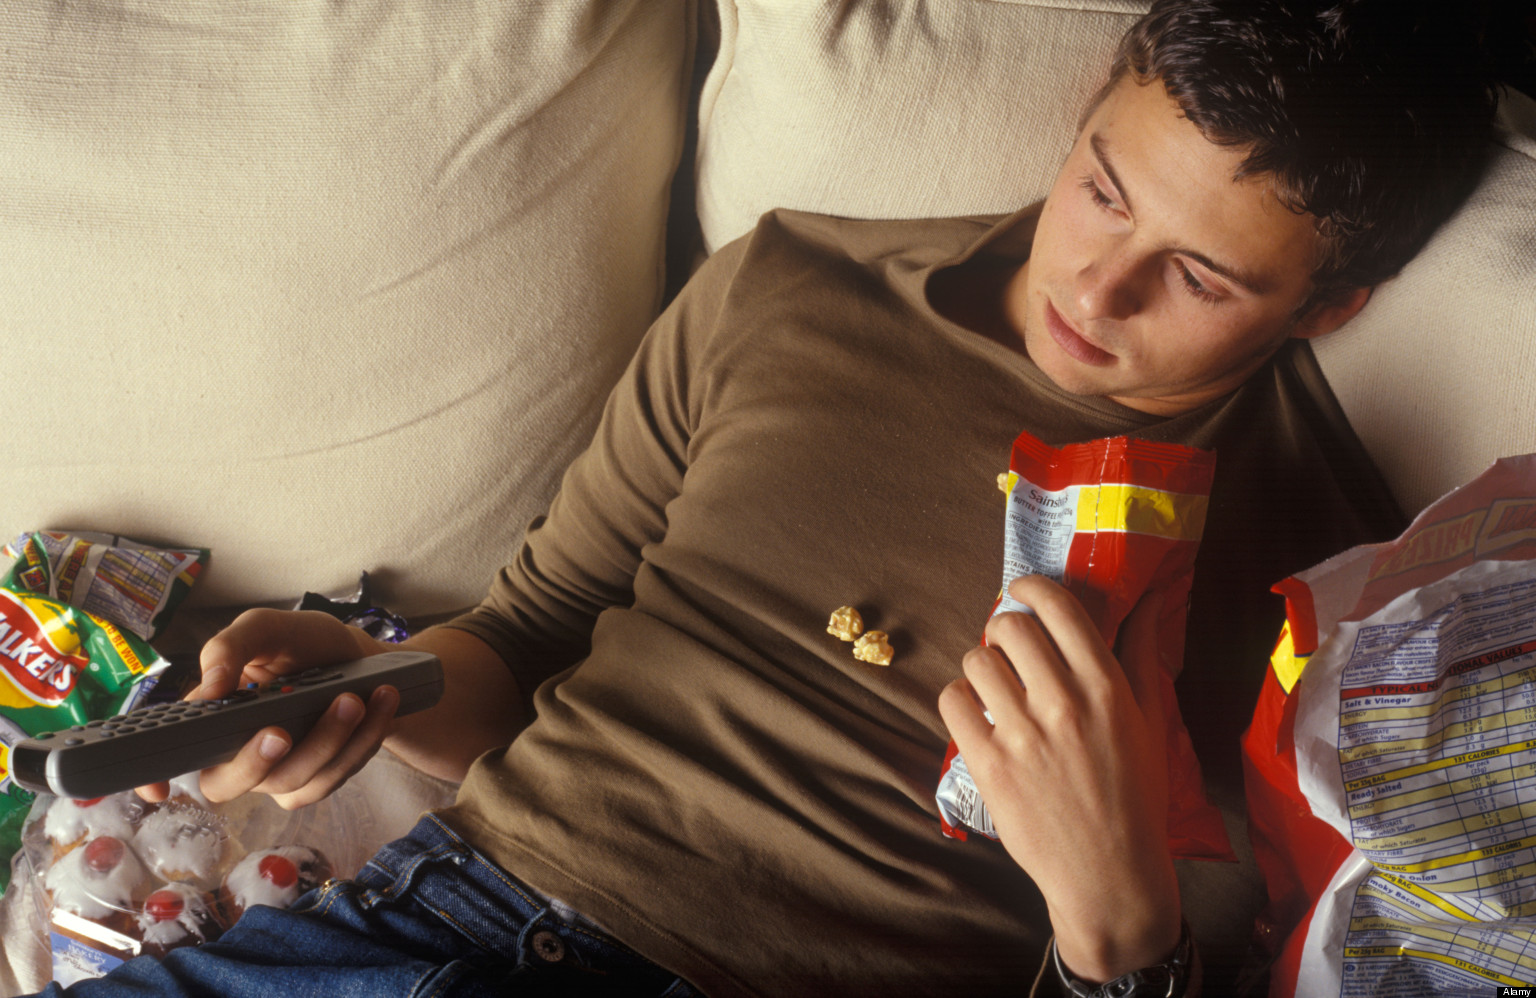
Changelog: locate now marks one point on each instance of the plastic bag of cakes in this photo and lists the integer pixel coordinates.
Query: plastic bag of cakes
(116, 877)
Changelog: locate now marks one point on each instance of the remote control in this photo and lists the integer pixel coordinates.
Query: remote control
(155, 743)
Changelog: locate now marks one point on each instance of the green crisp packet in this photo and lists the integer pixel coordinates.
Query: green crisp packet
(60, 665)
(133, 585)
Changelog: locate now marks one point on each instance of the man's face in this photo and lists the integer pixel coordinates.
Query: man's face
(1155, 279)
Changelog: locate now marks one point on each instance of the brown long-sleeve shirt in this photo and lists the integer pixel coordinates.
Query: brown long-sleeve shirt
(713, 777)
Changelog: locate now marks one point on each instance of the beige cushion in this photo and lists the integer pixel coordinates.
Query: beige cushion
(325, 287)
(871, 109)
(1436, 373)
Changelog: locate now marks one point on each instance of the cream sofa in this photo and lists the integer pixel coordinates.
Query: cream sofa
(332, 287)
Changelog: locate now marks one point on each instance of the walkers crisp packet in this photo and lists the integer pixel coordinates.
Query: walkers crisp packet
(1113, 520)
(62, 665)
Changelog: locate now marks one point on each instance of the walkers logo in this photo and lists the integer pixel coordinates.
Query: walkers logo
(1510, 522)
(39, 652)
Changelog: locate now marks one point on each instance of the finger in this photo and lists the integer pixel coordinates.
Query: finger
(264, 643)
(962, 713)
(255, 760)
(155, 793)
(1063, 619)
(995, 681)
(1030, 651)
(362, 746)
(327, 738)
(328, 741)
(1140, 654)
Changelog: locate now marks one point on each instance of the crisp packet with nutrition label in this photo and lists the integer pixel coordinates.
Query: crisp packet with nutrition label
(136, 586)
(1113, 520)
(1391, 761)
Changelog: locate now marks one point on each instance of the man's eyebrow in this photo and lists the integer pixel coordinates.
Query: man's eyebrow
(1248, 282)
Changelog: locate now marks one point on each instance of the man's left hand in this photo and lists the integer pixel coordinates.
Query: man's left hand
(1074, 773)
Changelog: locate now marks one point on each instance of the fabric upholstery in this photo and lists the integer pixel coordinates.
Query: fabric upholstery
(325, 287)
(1435, 373)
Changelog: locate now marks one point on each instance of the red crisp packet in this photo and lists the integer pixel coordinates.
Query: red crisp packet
(1112, 520)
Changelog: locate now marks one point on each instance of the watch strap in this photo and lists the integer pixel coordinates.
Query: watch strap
(1169, 979)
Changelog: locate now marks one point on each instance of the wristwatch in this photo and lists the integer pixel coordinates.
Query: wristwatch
(1169, 979)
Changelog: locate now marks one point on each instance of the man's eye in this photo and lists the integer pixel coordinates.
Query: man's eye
(1193, 286)
(1098, 196)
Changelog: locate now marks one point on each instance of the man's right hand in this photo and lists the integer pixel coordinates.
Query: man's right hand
(262, 645)
(480, 708)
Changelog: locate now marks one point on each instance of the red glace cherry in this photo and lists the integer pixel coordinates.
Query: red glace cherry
(89, 803)
(278, 871)
(103, 854)
(164, 906)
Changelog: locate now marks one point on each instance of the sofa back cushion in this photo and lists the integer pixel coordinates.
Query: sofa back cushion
(867, 108)
(871, 109)
(325, 287)
(1436, 373)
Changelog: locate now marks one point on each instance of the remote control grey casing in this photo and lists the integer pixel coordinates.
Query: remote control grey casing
(161, 741)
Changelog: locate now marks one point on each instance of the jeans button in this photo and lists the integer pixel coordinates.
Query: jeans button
(548, 946)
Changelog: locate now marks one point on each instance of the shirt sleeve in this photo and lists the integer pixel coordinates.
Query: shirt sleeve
(581, 556)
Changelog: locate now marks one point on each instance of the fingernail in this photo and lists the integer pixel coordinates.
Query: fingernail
(272, 748)
(349, 708)
(384, 696)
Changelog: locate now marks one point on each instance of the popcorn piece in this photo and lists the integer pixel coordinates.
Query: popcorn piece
(1002, 482)
(846, 624)
(874, 647)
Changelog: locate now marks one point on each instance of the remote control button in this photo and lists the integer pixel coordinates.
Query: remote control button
(74, 741)
(44, 736)
(95, 724)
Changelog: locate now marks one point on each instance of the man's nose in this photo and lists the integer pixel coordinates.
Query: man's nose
(1113, 284)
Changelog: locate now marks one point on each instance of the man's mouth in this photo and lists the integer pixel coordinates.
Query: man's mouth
(1071, 341)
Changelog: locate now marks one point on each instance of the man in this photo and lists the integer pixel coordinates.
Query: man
(714, 784)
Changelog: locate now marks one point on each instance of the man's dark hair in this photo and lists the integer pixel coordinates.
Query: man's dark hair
(1372, 115)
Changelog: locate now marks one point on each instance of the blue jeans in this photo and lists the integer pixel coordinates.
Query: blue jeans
(428, 916)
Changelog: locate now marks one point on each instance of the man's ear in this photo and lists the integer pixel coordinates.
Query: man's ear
(1331, 313)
